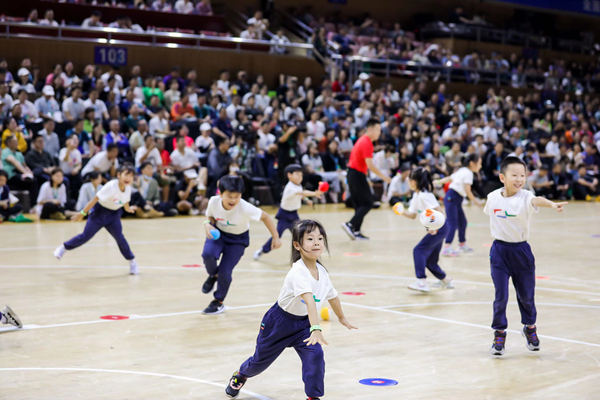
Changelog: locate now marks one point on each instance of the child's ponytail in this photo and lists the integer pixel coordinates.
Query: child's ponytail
(423, 179)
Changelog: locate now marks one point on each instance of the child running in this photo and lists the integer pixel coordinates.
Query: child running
(105, 211)
(291, 201)
(230, 215)
(294, 320)
(460, 187)
(510, 209)
(427, 253)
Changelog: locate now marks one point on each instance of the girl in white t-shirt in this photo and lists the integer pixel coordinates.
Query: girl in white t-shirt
(294, 320)
(105, 211)
(460, 187)
(427, 253)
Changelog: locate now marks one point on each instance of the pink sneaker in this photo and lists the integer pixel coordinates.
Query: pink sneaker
(449, 252)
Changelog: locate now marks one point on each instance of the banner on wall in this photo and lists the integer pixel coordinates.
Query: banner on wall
(587, 7)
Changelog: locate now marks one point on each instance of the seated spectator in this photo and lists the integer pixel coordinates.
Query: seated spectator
(294, 112)
(562, 182)
(105, 163)
(12, 129)
(386, 161)
(161, 5)
(333, 161)
(23, 83)
(205, 143)
(146, 192)
(40, 161)
(222, 126)
(51, 141)
(204, 8)
(249, 33)
(74, 106)
(541, 183)
(218, 165)
(52, 198)
(70, 163)
(183, 110)
(88, 190)
(315, 128)
(159, 124)
(20, 177)
(399, 189)
(48, 19)
(259, 24)
(277, 43)
(189, 199)
(454, 157)
(93, 21)
(6, 101)
(585, 185)
(118, 138)
(29, 112)
(9, 208)
(46, 106)
(33, 16)
(99, 107)
(184, 6)
(136, 140)
(265, 138)
(149, 153)
(113, 72)
(233, 108)
(314, 167)
(135, 116)
(183, 157)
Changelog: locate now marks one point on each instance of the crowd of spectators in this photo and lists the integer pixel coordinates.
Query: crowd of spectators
(196, 7)
(182, 137)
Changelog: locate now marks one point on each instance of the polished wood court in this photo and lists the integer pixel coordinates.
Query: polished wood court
(435, 345)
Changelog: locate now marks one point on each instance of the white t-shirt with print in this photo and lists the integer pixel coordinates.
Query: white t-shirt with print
(112, 197)
(509, 216)
(154, 157)
(99, 162)
(291, 200)
(299, 281)
(464, 176)
(74, 159)
(422, 201)
(235, 221)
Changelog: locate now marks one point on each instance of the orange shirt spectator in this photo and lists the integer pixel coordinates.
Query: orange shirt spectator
(182, 109)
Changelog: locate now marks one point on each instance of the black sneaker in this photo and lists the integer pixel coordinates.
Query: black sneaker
(533, 343)
(215, 307)
(209, 284)
(360, 236)
(498, 345)
(235, 385)
(348, 229)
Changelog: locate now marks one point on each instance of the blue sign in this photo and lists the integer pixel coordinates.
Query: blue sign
(588, 7)
(110, 55)
(378, 382)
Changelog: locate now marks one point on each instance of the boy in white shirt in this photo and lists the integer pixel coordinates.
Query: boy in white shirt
(399, 189)
(291, 201)
(229, 215)
(510, 208)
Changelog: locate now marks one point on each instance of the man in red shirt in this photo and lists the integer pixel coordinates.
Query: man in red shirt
(361, 160)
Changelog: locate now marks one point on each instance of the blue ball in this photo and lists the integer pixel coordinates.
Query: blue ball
(216, 234)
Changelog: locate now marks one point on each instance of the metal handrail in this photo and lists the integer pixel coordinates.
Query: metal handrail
(152, 35)
(447, 73)
(306, 32)
(504, 36)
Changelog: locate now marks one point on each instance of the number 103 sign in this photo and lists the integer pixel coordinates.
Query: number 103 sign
(109, 55)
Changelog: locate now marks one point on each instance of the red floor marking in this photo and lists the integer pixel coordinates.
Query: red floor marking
(542, 277)
(114, 317)
(192, 266)
(354, 293)
(353, 254)
(487, 245)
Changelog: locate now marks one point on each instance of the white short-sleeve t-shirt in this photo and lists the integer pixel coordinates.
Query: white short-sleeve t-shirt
(112, 197)
(291, 200)
(509, 216)
(235, 221)
(464, 176)
(154, 157)
(299, 281)
(184, 161)
(422, 201)
(99, 162)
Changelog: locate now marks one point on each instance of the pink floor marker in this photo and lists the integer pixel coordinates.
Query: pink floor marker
(192, 266)
(487, 245)
(353, 254)
(353, 293)
(542, 277)
(114, 317)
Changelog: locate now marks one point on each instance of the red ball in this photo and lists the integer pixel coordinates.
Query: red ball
(323, 187)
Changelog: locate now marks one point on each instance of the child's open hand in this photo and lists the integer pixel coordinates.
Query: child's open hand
(316, 337)
(275, 244)
(347, 324)
(559, 206)
(432, 232)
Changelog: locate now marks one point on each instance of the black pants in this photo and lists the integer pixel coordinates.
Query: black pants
(11, 211)
(580, 191)
(49, 209)
(360, 193)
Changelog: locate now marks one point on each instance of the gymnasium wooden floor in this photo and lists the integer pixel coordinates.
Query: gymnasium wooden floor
(435, 345)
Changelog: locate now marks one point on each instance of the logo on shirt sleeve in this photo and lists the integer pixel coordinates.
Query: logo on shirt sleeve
(500, 213)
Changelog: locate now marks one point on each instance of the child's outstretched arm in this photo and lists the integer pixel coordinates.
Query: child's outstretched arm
(316, 336)
(86, 209)
(542, 202)
(409, 215)
(336, 306)
(443, 181)
(276, 243)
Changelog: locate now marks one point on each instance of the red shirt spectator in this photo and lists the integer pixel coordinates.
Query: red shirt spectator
(362, 150)
(182, 109)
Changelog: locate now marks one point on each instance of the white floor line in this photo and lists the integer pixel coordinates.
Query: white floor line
(119, 371)
(131, 317)
(488, 303)
(346, 274)
(451, 321)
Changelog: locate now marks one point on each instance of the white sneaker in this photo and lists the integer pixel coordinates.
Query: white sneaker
(60, 251)
(9, 317)
(446, 283)
(465, 249)
(195, 212)
(449, 251)
(420, 285)
(257, 254)
(134, 268)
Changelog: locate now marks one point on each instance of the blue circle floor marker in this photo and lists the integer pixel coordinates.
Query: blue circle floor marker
(378, 382)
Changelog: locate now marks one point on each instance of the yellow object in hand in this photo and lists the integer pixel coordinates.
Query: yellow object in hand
(325, 313)
(399, 208)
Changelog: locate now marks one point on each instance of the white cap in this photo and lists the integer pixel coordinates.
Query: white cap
(23, 72)
(363, 76)
(205, 127)
(190, 173)
(48, 90)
